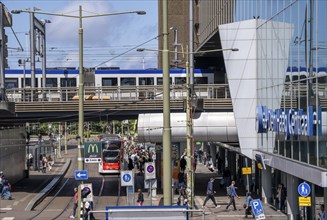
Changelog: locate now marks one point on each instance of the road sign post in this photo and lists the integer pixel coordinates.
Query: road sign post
(150, 175)
(150, 170)
(304, 191)
(81, 175)
(92, 152)
(127, 179)
(257, 209)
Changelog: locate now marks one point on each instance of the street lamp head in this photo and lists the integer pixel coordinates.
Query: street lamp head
(140, 12)
(234, 49)
(45, 21)
(140, 49)
(16, 11)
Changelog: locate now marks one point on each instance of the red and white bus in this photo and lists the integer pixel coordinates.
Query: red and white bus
(112, 154)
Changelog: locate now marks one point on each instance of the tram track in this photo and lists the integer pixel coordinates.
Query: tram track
(56, 191)
(58, 203)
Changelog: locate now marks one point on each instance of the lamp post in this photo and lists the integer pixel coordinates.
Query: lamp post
(22, 62)
(80, 159)
(189, 150)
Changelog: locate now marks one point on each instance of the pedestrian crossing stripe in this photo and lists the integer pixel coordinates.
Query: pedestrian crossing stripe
(5, 209)
(8, 218)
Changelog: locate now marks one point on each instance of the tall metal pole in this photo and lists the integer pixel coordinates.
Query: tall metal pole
(80, 163)
(191, 60)
(32, 49)
(44, 63)
(2, 57)
(176, 47)
(188, 134)
(65, 137)
(167, 187)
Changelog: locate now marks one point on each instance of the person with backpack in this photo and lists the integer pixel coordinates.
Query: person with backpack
(231, 193)
(210, 194)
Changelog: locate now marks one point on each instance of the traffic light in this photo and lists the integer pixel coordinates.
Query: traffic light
(85, 192)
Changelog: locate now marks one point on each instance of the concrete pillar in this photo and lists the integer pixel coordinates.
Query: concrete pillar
(266, 185)
(247, 179)
(232, 164)
(213, 151)
(222, 156)
(313, 201)
(292, 197)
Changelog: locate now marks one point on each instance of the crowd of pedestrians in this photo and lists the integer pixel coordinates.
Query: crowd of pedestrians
(138, 155)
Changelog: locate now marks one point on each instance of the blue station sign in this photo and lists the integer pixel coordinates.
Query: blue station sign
(289, 122)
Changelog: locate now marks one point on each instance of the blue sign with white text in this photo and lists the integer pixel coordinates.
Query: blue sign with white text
(304, 189)
(81, 175)
(289, 121)
(257, 207)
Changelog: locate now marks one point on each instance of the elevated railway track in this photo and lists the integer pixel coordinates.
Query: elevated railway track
(53, 104)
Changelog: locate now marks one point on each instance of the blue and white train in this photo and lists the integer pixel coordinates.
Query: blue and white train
(69, 77)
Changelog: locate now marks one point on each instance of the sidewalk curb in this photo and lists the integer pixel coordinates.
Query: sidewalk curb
(46, 190)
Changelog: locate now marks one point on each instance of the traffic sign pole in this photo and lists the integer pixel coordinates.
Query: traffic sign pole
(304, 190)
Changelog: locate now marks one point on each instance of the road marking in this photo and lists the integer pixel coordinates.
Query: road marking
(25, 198)
(6, 209)
(8, 218)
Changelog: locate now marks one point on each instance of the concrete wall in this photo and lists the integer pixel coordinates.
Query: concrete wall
(12, 153)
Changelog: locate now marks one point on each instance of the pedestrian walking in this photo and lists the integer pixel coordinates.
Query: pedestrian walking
(281, 197)
(322, 212)
(6, 188)
(44, 164)
(130, 164)
(140, 198)
(75, 202)
(50, 162)
(1, 180)
(247, 205)
(87, 214)
(210, 194)
(183, 164)
(231, 193)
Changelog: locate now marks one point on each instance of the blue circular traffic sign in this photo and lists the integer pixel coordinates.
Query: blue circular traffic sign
(304, 189)
(150, 168)
(127, 177)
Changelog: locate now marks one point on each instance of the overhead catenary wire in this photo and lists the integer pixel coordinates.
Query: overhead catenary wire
(155, 38)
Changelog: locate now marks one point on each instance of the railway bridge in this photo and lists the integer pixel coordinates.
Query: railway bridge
(115, 103)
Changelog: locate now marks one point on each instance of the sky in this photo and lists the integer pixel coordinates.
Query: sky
(107, 41)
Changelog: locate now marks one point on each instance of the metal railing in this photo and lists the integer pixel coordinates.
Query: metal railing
(147, 210)
(64, 94)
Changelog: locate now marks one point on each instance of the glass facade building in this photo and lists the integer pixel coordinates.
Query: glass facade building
(281, 65)
(283, 56)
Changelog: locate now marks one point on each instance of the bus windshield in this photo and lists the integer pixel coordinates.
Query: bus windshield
(111, 156)
(111, 146)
